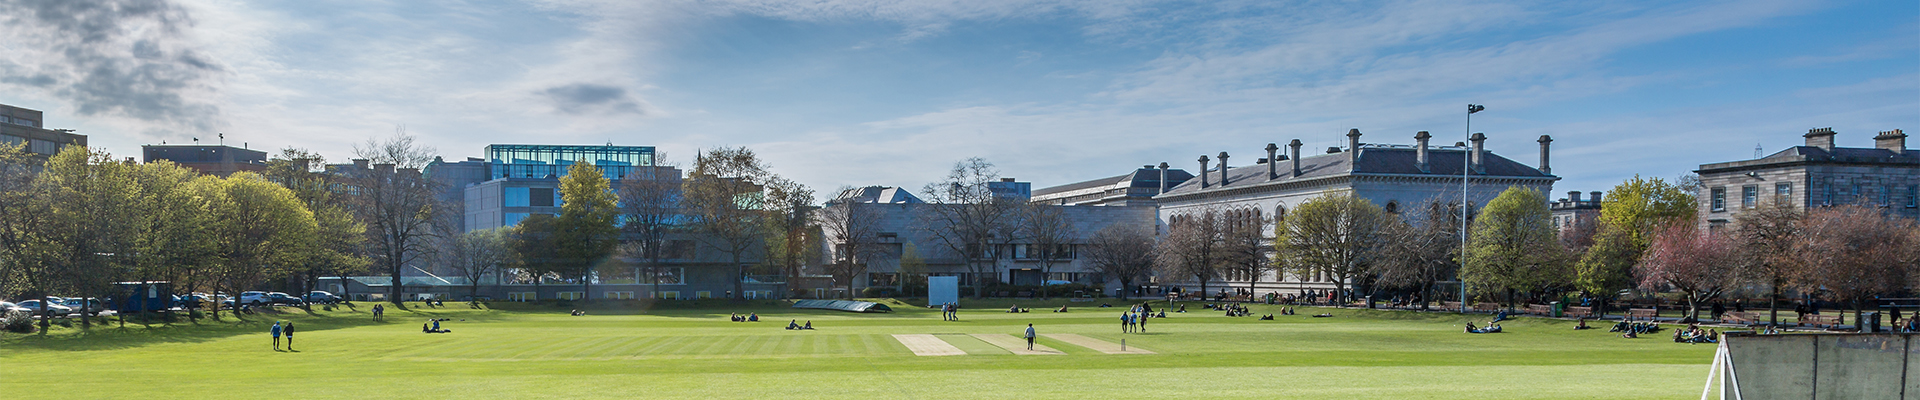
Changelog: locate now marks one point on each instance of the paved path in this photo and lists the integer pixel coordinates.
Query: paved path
(1015, 344)
(1095, 344)
(927, 345)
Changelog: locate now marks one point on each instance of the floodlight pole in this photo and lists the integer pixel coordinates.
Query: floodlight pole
(1466, 169)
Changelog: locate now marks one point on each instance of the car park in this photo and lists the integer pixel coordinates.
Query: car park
(321, 296)
(253, 298)
(92, 306)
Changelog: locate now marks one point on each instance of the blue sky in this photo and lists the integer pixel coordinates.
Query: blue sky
(870, 92)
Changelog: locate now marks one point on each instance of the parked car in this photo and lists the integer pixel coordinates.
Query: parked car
(194, 301)
(35, 306)
(322, 296)
(254, 298)
(92, 307)
(283, 298)
(7, 306)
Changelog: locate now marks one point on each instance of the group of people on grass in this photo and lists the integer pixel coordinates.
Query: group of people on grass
(433, 326)
(1693, 334)
(1491, 327)
(793, 325)
(1016, 309)
(1633, 329)
(1134, 320)
(279, 330)
(950, 312)
(750, 317)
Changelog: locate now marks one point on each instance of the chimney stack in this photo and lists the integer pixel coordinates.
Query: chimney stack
(1420, 156)
(1545, 141)
(1353, 146)
(1596, 196)
(1223, 168)
(1273, 172)
(1820, 137)
(1294, 149)
(1574, 195)
(1203, 171)
(1163, 177)
(1479, 152)
(1894, 140)
(360, 163)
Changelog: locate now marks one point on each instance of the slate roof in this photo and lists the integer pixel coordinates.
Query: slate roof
(1374, 159)
(878, 195)
(1139, 178)
(1817, 154)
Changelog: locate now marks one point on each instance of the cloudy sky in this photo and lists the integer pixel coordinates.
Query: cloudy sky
(877, 92)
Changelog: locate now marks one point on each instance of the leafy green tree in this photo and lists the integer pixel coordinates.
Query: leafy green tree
(262, 228)
(1342, 235)
(535, 252)
(585, 234)
(23, 211)
(1630, 216)
(1513, 246)
(91, 231)
(171, 226)
(794, 235)
(340, 237)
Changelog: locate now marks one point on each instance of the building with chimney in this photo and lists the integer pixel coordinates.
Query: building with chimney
(1572, 214)
(20, 125)
(1816, 174)
(1399, 178)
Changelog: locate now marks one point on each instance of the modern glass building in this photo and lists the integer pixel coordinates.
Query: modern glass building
(540, 161)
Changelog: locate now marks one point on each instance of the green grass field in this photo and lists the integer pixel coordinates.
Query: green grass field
(692, 351)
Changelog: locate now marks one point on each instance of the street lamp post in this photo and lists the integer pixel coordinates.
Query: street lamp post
(1466, 169)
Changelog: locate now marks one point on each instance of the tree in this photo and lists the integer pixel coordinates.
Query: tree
(585, 234)
(1855, 252)
(968, 219)
(1245, 249)
(1698, 265)
(1423, 249)
(650, 197)
(336, 251)
(476, 254)
(1123, 252)
(1049, 233)
(724, 200)
(535, 252)
(1513, 246)
(397, 204)
(1767, 237)
(90, 230)
(1629, 217)
(23, 211)
(262, 229)
(1339, 234)
(171, 223)
(853, 229)
(795, 235)
(1192, 247)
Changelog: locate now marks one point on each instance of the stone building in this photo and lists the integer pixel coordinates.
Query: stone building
(1816, 174)
(1571, 214)
(1135, 188)
(1400, 178)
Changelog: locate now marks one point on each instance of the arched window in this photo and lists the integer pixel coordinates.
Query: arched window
(1279, 213)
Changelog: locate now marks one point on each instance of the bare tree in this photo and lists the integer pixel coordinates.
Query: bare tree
(1049, 234)
(1336, 233)
(1245, 249)
(397, 204)
(1123, 252)
(475, 255)
(1767, 236)
(1697, 264)
(725, 199)
(1423, 250)
(794, 239)
(852, 229)
(1855, 252)
(650, 198)
(1192, 247)
(968, 219)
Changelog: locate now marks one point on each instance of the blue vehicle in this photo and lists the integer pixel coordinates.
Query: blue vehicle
(147, 296)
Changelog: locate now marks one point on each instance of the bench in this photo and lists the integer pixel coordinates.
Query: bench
(1643, 313)
(1486, 306)
(1826, 321)
(1450, 305)
(1540, 309)
(1582, 312)
(1737, 317)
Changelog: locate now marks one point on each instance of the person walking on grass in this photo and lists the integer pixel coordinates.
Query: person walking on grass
(289, 331)
(1140, 322)
(1124, 325)
(275, 330)
(1029, 336)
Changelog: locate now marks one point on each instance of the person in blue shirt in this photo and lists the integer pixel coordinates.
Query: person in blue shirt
(1029, 336)
(276, 335)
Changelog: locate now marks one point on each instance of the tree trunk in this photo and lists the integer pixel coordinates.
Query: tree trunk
(586, 286)
(396, 291)
(739, 274)
(1773, 305)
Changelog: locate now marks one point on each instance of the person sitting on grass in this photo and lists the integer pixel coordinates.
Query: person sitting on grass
(1583, 325)
(795, 324)
(1502, 316)
(733, 317)
(753, 317)
(1268, 317)
(1162, 314)
(1471, 328)
(809, 325)
(1629, 335)
(1183, 308)
(1013, 309)
(1063, 308)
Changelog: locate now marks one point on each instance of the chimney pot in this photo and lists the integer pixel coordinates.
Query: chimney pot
(1545, 142)
(1820, 137)
(1420, 155)
(1203, 171)
(1595, 195)
(1574, 195)
(1353, 146)
(1273, 171)
(1163, 177)
(1223, 168)
(1478, 158)
(1894, 141)
(1294, 154)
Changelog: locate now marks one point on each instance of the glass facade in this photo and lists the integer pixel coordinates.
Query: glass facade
(539, 161)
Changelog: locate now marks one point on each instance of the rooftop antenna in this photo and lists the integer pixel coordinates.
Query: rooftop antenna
(223, 138)
(1756, 150)
(196, 141)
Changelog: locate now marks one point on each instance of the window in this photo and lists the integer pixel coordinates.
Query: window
(703, 295)
(1783, 192)
(1913, 196)
(513, 197)
(1855, 193)
(1826, 191)
(540, 197)
(523, 296)
(514, 219)
(667, 276)
(1749, 196)
(619, 296)
(43, 147)
(668, 295)
(1886, 196)
(569, 295)
(1719, 199)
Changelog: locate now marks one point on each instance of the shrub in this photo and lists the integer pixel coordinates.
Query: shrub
(17, 321)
